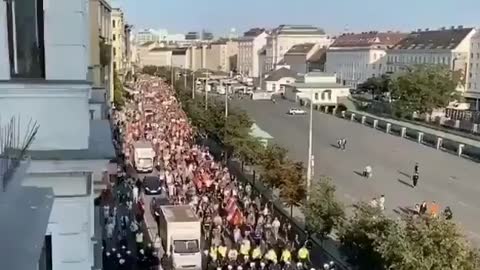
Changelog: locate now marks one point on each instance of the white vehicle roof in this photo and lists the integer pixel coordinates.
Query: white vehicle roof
(142, 144)
(179, 213)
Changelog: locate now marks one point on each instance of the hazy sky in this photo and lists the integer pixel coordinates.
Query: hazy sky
(219, 16)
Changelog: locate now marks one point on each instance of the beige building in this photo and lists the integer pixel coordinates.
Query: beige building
(100, 68)
(118, 40)
(250, 47)
(285, 37)
(472, 95)
(219, 55)
(449, 47)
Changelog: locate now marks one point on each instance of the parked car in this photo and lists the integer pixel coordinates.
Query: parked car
(152, 185)
(295, 111)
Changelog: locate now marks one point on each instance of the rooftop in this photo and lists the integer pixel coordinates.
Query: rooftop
(254, 32)
(179, 213)
(304, 48)
(318, 56)
(280, 73)
(433, 39)
(319, 85)
(100, 146)
(286, 29)
(367, 39)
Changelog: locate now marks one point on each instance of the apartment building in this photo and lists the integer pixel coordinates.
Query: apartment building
(118, 40)
(249, 49)
(146, 35)
(220, 54)
(101, 61)
(449, 47)
(284, 37)
(357, 57)
(305, 57)
(44, 78)
(472, 95)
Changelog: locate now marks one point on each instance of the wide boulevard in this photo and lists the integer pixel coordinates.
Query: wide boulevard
(444, 178)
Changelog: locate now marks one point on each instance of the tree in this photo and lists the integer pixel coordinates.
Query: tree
(376, 85)
(293, 190)
(118, 92)
(323, 212)
(427, 244)
(424, 88)
(360, 233)
(273, 161)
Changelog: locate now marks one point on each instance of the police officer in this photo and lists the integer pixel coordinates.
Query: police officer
(257, 253)
(213, 253)
(222, 252)
(286, 256)
(245, 250)
(271, 255)
(303, 255)
(232, 255)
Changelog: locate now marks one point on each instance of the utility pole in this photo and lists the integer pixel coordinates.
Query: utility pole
(193, 84)
(172, 75)
(185, 79)
(206, 92)
(310, 140)
(226, 100)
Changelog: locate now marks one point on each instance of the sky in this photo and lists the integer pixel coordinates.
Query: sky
(219, 16)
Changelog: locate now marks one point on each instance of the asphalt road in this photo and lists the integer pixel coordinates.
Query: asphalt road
(444, 178)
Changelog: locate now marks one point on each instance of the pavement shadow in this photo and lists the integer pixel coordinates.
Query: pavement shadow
(358, 173)
(404, 211)
(335, 146)
(404, 174)
(405, 183)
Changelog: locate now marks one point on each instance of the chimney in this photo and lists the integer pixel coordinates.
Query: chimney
(427, 29)
(443, 28)
(419, 30)
(452, 27)
(460, 27)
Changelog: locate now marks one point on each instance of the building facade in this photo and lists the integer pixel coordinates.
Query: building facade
(472, 95)
(118, 41)
(285, 37)
(71, 152)
(357, 57)
(249, 49)
(146, 35)
(220, 55)
(449, 47)
(305, 57)
(101, 61)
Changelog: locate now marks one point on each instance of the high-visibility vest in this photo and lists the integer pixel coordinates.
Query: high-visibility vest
(256, 253)
(286, 255)
(272, 256)
(303, 253)
(222, 250)
(213, 253)
(244, 249)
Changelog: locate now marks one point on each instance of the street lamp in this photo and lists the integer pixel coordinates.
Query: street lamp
(206, 92)
(310, 142)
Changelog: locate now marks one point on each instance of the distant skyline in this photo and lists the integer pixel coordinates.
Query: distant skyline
(219, 16)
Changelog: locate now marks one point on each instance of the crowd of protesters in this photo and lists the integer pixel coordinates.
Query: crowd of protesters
(240, 228)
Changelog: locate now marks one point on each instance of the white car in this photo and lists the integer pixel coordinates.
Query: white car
(295, 111)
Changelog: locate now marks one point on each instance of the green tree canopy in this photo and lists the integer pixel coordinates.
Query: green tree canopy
(323, 212)
(274, 160)
(118, 92)
(376, 85)
(424, 88)
(293, 190)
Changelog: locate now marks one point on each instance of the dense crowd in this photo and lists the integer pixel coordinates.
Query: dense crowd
(240, 228)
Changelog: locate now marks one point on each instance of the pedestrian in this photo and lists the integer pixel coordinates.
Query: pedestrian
(344, 144)
(381, 202)
(423, 208)
(415, 168)
(374, 203)
(415, 179)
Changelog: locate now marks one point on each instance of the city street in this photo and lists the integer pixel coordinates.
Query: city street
(444, 178)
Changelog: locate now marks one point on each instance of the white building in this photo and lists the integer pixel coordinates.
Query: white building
(357, 57)
(323, 87)
(278, 79)
(118, 40)
(473, 88)
(284, 37)
(44, 78)
(449, 47)
(146, 35)
(249, 47)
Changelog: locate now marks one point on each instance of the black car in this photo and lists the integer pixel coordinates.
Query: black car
(152, 185)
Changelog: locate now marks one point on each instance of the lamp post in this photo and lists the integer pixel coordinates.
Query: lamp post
(310, 141)
(206, 92)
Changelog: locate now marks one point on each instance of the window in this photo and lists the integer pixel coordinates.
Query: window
(113, 23)
(316, 96)
(114, 65)
(26, 38)
(114, 51)
(114, 37)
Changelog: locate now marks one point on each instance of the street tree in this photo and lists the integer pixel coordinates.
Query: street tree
(323, 212)
(376, 85)
(423, 88)
(273, 162)
(293, 190)
(427, 243)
